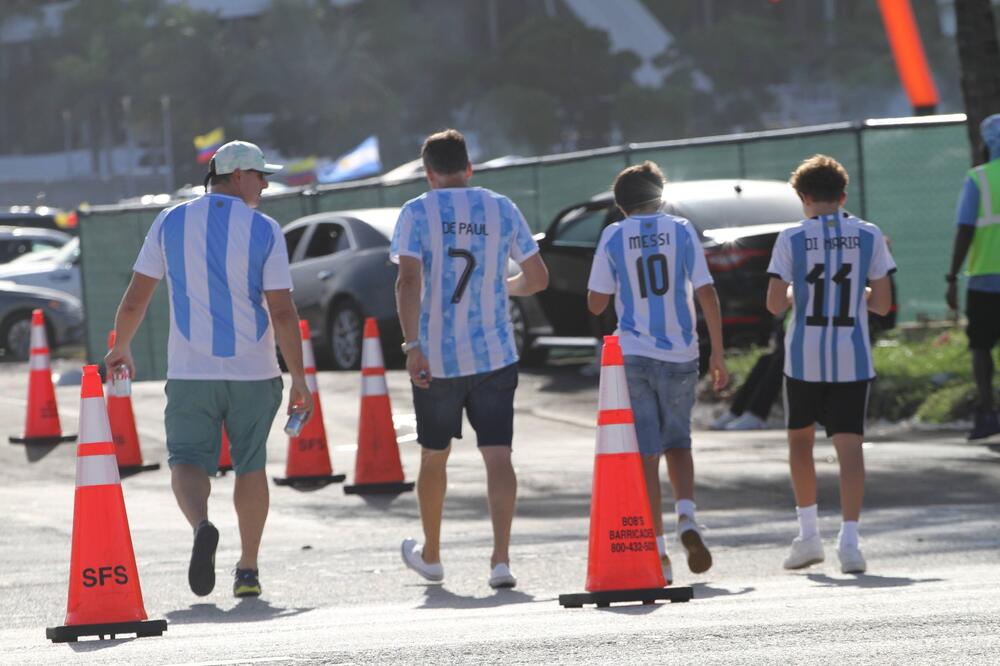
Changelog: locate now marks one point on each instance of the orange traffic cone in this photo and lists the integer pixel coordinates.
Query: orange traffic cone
(377, 468)
(123, 428)
(42, 423)
(308, 466)
(622, 562)
(225, 459)
(104, 594)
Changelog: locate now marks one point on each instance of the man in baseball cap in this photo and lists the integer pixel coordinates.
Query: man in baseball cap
(240, 166)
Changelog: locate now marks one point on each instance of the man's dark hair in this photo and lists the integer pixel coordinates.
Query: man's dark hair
(212, 178)
(638, 186)
(820, 177)
(444, 152)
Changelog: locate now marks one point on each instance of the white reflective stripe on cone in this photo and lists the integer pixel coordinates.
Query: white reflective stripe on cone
(617, 438)
(373, 385)
(614, 388)
(312, 384)
(96, 471)
(39, 362)
(308, 358)
(371, 353)
(94, 426)
(38, 339)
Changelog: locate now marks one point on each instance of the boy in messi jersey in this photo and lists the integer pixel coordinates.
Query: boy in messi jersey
(452, 245)
(819, 268)
(654, 264)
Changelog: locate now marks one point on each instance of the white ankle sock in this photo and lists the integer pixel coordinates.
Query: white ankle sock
(661, 545)
(848, 534)
(685, 507)
(808, 521)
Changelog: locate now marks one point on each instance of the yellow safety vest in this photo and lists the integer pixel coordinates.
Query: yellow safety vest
(984, 255)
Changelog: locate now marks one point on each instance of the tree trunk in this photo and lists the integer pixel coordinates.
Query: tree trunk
(979, 57)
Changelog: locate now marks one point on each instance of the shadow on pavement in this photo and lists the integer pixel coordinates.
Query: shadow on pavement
(868, 580)
(93, 645)
(437, 596)
(706, 591)
(247, 610)
(35, 452)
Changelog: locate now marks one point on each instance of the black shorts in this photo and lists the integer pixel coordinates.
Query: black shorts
(839, 406)
(488, 400)
(983, 311)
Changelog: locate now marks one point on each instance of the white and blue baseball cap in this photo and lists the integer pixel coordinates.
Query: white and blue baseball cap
(241, 155)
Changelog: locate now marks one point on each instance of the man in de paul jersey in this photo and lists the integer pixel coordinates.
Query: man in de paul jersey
(452, 245)
(820, 268)
(978, 236)
(226, 268)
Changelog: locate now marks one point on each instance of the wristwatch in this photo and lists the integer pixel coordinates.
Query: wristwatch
(950, 277)
(411, 345)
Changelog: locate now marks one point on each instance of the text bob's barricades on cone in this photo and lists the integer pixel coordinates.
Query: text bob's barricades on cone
(104, 594)
(123, 430)
(377, 468)
(622, 561)
(308, 466)
(41, 426)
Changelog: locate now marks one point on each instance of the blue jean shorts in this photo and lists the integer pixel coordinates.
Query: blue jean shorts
(662, 395)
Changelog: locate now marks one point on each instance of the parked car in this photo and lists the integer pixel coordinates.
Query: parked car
(342, 274)
(22, 242)
(737, 221)
(63, 317)
(60, 271)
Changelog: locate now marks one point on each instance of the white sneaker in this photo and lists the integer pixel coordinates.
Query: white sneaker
(501, 577)
(851, 560)
(804, 552)
(747, 421)
(698, 556)
(668, 571)
(413, 558)
(724, 420)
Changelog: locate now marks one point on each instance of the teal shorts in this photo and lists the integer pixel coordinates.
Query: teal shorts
(198, 408)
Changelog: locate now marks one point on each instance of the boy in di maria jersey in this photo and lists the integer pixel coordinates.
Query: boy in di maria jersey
(820, 269)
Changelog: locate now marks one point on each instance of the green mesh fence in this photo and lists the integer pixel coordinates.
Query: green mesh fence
(905, 177)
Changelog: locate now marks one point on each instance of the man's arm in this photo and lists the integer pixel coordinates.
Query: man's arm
(597, 302)
(285, 319)
(534, 277)
(880, 298)
(963, 241)
(130, 313)
(408, 307)
(778, 296)
(708, 299)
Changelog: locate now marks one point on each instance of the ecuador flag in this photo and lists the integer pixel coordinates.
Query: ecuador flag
(207, 144)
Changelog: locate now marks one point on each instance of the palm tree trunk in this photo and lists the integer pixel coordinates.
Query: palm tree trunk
(979, 57)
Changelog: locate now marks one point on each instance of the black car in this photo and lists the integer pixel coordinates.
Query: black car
(342, 275)
(738, 222)
(63, 318)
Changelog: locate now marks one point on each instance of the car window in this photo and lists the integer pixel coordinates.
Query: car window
(328, 238)
(14, 248)
(580, 227)
(292, 238)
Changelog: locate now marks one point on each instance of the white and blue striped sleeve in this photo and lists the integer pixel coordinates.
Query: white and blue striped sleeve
(781, 258)
(405, 237)
(700, 275)
(150, 261)
(524, 243)
(882, 263)
(602, 273)
(276, 272)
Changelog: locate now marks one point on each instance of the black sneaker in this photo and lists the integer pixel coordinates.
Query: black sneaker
(201, 571)
(986, 425)
(246, 584)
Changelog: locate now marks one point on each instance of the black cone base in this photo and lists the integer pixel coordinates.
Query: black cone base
(309, 482)
(221, 471)
(391, 488)
(42, 441)
(71, 633)
(608, 597)
(131, 470)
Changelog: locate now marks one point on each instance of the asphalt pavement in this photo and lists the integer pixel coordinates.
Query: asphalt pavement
(335, 590)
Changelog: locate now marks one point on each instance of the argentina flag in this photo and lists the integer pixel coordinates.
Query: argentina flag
(360, 162)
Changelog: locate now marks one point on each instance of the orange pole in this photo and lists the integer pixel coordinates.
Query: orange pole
(908, 52)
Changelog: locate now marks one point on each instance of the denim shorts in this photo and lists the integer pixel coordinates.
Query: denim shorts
(488, 401)
(198, 408)
(662, 395)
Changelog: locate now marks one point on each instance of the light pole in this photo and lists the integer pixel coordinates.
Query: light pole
(68, 140)
(127, 119)
(168, 144)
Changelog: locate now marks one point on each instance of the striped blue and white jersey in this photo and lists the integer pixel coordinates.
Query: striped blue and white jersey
(652, 264)
(219, 256)
(828, 259)
(464, 237)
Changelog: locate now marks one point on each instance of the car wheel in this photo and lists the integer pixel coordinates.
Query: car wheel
(522, 339)
(15, 336)
(345, 334)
